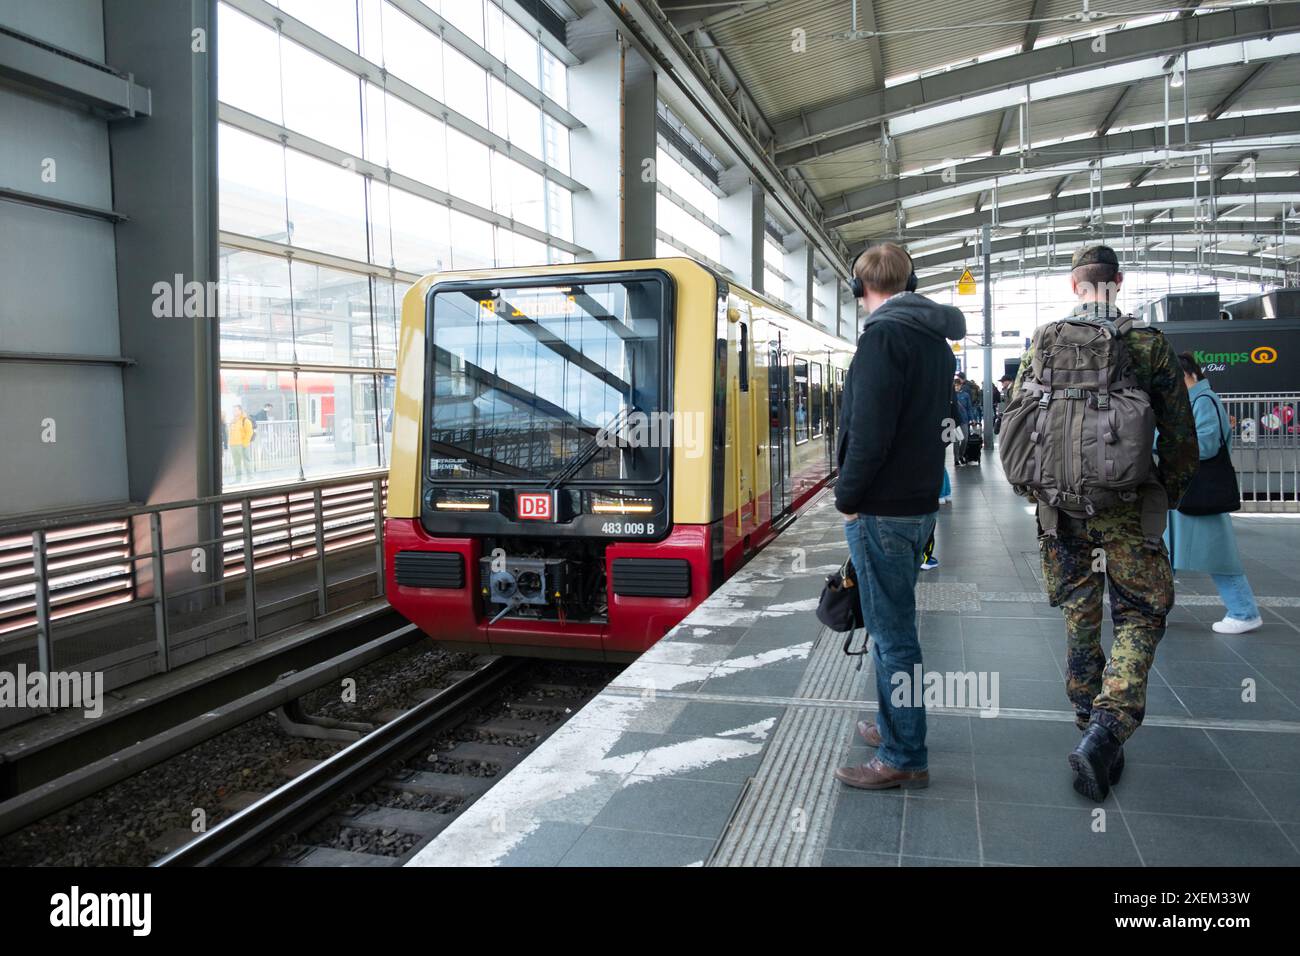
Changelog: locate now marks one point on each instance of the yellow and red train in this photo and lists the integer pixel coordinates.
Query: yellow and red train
(582, 453)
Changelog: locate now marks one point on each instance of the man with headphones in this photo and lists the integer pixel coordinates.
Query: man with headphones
(896, 404)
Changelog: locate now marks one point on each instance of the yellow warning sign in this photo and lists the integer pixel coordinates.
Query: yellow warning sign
(966, 284)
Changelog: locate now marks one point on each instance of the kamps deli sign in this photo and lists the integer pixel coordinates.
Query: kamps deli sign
(1244, 360)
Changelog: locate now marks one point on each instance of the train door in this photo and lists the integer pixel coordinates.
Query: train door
(746, 454)
(779, 410)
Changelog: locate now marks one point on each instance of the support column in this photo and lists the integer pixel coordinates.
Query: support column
(165, 179)
(741, 214)
(613, 92)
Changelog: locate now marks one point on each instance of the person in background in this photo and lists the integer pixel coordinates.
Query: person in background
(965, 415)
(1208, 542)
(240, 436)
(890, 455)
(263, 416)
(1000, 397)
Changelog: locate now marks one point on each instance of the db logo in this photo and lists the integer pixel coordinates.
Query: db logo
(1264, 355)
(533, 507)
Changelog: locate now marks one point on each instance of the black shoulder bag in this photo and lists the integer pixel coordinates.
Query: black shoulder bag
(1213, 489)
(840, 608)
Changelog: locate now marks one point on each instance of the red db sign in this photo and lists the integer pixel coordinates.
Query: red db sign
(533, 507)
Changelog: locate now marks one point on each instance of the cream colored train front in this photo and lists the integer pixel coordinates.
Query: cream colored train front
(582, 453)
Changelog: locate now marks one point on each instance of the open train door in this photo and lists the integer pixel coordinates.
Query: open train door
(745, 458)
(778, 385)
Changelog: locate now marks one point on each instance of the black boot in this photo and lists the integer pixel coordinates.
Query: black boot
(1093, 762)
(1117, 767)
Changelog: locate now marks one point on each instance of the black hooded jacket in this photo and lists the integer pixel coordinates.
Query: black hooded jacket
(897, 396)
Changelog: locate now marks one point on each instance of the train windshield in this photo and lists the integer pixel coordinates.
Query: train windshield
(527, 381)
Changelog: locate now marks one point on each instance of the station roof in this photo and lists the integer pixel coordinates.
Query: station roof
(920, 122)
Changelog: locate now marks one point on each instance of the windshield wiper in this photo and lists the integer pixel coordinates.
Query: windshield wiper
(591, 447)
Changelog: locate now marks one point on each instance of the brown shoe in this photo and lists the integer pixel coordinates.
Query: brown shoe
(868, 731)
(876, 776)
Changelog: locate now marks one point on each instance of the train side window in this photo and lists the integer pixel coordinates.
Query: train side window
(802, 403)
(818, 416)
(744, 356)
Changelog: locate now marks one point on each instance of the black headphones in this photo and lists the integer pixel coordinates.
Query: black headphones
(855, 284)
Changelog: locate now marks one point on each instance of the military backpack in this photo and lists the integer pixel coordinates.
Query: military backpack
(1077, 436)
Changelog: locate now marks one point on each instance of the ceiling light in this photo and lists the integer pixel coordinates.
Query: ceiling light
(1176, 80)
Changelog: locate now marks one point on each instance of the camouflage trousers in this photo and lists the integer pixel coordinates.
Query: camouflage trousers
(1076, 565)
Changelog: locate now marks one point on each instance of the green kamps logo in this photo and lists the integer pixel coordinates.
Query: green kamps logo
(1264, 355)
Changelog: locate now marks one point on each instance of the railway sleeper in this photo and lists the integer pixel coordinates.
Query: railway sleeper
(427, 783)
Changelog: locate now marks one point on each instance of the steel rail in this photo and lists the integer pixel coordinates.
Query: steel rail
(307, 798)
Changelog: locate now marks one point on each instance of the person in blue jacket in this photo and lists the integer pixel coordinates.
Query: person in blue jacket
(1208, 542)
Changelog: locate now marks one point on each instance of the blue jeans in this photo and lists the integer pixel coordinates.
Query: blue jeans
(1234, 591)
(947, 485)
(886, 554)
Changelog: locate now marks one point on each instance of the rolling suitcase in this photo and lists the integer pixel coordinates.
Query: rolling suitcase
(974, 445)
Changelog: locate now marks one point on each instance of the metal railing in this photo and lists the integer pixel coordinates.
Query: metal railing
(1265, 448)
(135, 584)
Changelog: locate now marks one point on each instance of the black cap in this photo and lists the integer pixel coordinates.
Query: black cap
(1094, 255)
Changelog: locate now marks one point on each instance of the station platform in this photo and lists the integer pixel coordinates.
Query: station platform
(717, 747)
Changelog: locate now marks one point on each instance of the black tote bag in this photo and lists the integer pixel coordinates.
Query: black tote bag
(840, 609)
(1213, 489)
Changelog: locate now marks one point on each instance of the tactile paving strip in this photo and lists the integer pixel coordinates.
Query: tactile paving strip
(782, 818)
(952, 596)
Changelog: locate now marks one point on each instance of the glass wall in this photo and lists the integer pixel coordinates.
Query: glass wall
(342, 181)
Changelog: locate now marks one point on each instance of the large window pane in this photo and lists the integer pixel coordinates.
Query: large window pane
(331, 316)
(555, 78)
(471, 247)
(473, 172)
(248, 64)
(466, 84)
(256, 323)
(321, 100)
(265, 404)
(560, 211)
(411, 52)
(420, 230)
(376, 125)
(555, 147)
(337, 19)
(327, 207)
(416, 144)
(251, 184)
(525, 123)
(516, 250)
(517, 192)
(388, 304)
(466, 16)
(521, 52)
(338, 421)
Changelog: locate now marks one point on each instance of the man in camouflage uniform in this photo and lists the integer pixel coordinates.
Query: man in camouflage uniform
(1109, 697)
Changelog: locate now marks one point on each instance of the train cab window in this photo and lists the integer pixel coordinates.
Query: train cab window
(526, 379)
(817, 401)
(802, 401)
(744, 357)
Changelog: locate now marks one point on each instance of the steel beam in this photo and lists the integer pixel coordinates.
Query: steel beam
(869, 200)
(1215, 263)
(1169, 193)
(1067, 236)
(1240, 89)
(862, 112)
(69, 76)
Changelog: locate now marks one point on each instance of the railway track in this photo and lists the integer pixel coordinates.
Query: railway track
(379, 800)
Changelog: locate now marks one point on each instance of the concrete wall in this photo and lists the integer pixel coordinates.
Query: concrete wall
(63, 426)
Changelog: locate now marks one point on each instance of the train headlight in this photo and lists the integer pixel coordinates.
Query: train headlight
(450, 499)
(614, 503)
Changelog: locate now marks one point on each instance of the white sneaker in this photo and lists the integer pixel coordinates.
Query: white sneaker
(1233, 625)
(929, 564)
(945, 500)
